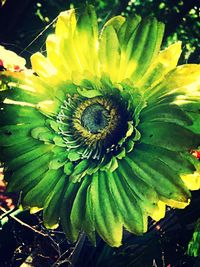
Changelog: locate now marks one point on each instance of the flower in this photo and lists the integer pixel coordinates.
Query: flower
(100, 137)
(10, 60)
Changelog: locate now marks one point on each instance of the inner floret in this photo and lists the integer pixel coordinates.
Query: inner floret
(95, 118)
(93, 126)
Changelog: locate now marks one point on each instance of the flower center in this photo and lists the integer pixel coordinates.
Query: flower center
(93, 126)
(94, 118)
(97, 119)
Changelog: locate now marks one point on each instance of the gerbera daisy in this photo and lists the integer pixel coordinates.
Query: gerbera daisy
(99, 137)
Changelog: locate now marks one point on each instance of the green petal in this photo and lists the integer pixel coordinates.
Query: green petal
(80, 170)
(175, 161)
(53, 205)
(37, 196)
(108, 223)
(192, 109)
(68, 200)
(28, 156)
(142, 47)
(80, 218)
(143, 192)
(13, 151)
(88, 222)
(28, 175)
(166, 113)
(127, 28)
(165, 61)
(9, 133)
(168, 135)
(155, 172)
(22, 115)
(125, 32)
(116, 22)
(127, 203)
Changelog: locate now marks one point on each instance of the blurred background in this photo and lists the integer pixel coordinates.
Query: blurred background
(24, 26)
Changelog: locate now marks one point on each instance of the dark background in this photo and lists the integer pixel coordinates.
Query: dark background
(24, 26)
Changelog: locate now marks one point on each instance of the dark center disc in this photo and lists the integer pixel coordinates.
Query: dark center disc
(95, 118)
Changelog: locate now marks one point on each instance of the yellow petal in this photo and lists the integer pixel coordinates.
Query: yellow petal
(159, 212)
(109, 48)
(109, 53)
(85, 40)
(34, 210)
(182, 81)
(176, 204)
(184, 76)
(65, 45)
(78, 40)
(42, 66)
(66, 23)
(48, 107)
(192, 181)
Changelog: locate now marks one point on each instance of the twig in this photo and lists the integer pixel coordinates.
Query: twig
(6, 213)
(75, 253)
(23, 223)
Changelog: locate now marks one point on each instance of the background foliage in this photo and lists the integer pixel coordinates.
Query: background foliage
(25, 25)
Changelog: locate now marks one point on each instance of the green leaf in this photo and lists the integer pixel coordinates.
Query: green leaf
(194, 244)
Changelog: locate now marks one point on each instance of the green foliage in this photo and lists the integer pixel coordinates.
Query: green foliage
(194, 245)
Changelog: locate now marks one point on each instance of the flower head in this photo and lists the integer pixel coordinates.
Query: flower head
(100, 137)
